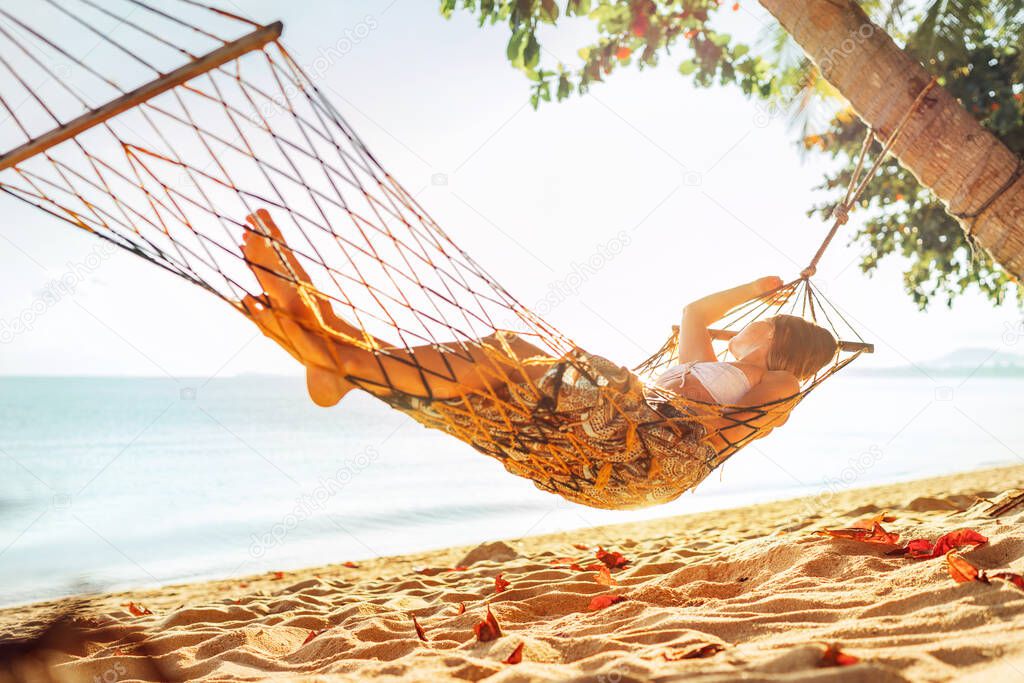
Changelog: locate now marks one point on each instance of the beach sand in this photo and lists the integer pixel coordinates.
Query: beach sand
(751, 593)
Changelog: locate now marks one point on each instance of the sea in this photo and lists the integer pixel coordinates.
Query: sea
(121, 483)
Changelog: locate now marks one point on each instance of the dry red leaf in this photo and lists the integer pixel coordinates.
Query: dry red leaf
(612, 560)
(833, 656)
(420, 633)
(244, 584)
(488, 629)
(461, 609)
(919, 548)
(602, 601)
(580, 546)
(870, 522)
(276, 576)
(923, 549)
(699, 652)
(960, 569)
(312, 635)
(136, 609)
(567, 562)
(1016, 579)
(954, 540)
(500, 584)
(876, 534)
(350, 564)
(516, 656)
(604, 577)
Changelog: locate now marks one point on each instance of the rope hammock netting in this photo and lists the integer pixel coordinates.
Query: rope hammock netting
(181, 120)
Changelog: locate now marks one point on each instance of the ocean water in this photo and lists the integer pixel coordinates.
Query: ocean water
(118, 483)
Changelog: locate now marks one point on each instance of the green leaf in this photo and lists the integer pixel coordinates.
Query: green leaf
(515, 46)
(531, 52)
(548, 11)
(688, 67)
(578, 8)
(719, 39)
(564, 87)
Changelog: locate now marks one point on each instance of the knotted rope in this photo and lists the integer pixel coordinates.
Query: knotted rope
(857, 185)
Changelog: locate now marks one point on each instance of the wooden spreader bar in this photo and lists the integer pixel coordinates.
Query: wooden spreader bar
(222, 55)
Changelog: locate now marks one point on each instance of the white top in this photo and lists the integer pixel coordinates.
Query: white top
(726, 383)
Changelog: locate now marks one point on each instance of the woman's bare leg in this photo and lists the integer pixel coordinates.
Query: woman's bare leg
(323, 342)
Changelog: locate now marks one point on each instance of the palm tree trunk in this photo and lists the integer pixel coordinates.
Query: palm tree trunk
(945, 148)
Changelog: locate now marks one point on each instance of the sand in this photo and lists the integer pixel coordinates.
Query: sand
(754, 590)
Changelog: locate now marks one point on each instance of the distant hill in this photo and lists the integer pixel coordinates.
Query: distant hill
(979, 362)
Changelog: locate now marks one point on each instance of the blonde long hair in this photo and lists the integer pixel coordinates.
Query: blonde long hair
(799, 346)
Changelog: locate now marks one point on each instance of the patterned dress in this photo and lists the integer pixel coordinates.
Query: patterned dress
(587, 430)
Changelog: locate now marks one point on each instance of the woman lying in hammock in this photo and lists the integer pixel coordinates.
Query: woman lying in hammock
(577, 425)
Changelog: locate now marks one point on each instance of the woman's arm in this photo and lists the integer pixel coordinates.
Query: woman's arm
(694, 342)
(738, 425)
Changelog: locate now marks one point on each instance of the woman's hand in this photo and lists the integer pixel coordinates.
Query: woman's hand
(694, 341)
(768, 283)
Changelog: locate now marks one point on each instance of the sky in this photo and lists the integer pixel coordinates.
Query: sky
(701, 189)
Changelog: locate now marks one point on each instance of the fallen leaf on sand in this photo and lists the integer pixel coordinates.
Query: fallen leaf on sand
(833, 656)
(567, 562)
(1016, 579)
(420, 633)
(699, 652)
(350, 564)
(602, 601)
(500, 584)
(312, 635)
(136, 609)
(960, 569)
(580, 546)
(922, 548)
(461, 609)
(876, 534)
(516, 656)
(612, 560)
(870, 522)
(604, 577)
(488, 629)
(276, 576)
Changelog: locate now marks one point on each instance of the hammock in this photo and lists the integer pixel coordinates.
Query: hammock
(200, 128)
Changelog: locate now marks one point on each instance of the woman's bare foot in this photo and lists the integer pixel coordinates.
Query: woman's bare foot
(289, 319)
(275, 267)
